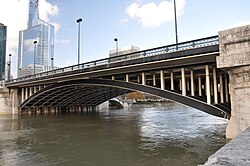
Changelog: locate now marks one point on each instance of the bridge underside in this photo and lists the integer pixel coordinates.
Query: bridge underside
(73, 95)
(93, 92)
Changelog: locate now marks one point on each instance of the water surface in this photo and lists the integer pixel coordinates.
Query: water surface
(144, 135)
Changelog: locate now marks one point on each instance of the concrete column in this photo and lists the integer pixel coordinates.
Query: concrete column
(199, 84)
(113, 77)
(26, 93)
(30, 91)
(215, 86)
(183, 82)
(192, 82)
(180, 83)
(221, 89)
(23, 95)
(162, 80)
(208, 89)
(234, 58)
(127, 78)
(40, 87)
(35, 89)
(138, 79)
(226, 90)
(188, 84)
(211, 88)
(143, 76)
(154, 80)
(172, 80)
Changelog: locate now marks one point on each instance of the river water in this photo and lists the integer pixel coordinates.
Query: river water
(144, 135)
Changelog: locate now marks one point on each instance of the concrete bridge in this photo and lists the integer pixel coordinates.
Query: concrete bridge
(197, 74)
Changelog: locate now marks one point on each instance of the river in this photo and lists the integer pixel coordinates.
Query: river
(143, 135)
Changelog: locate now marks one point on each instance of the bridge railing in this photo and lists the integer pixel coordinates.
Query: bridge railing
(213, 40)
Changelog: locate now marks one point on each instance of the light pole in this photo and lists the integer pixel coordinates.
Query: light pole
(78, 22)
(52, 63)
(19, 73)
(9, 68)
(175, 20)
(116, 45)
(35, 42)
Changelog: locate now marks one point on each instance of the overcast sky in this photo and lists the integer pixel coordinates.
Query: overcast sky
(143, 23)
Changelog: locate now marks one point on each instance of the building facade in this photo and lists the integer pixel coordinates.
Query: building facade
(36, 57)
(123, 51)
(3, 34)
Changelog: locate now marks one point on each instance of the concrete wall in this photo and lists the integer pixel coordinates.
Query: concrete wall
(235, 58)
(8, 100)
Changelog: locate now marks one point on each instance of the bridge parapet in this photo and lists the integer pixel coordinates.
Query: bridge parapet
(235, 58)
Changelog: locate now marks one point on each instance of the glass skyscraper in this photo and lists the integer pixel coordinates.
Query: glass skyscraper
(40, 55)
(3, 33)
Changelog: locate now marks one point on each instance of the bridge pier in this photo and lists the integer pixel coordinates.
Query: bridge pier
(9, 100)
(235, 59)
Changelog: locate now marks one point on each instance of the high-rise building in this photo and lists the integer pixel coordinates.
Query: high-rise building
(3, 33)
(35, 57)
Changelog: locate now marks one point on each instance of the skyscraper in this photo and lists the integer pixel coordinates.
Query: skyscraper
(3, 33)
(35, 57)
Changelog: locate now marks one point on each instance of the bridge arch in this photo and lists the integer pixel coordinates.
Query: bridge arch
(92, 92)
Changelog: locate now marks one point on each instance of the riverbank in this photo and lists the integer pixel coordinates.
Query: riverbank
(236, 152)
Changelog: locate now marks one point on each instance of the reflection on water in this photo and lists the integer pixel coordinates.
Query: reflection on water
(166, 134)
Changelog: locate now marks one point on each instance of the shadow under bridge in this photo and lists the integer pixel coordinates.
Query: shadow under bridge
(93, 92)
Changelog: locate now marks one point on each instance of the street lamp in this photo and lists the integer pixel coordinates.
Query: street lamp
(35, 42)
(175, 20)
(79, 21)
(116, 43)
(19, 73)
(9, 67)
(52, 63)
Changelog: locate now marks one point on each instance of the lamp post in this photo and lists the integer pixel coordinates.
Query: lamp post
(116, 45)
(9, 68)
(35, 42)
(175, 20)
(78, 22)
(52, 63)
(19, 73)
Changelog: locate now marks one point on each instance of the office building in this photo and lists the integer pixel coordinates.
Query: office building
(36, 44)
(123, 51)
(3, 34)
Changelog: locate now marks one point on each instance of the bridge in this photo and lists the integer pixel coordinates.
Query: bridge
(210, 74)
(184, 72)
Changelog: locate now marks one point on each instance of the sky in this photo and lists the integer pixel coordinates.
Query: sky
(142, 23)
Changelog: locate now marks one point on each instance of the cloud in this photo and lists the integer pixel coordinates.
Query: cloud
(14, 15)
(153, 15)
(47, 10)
